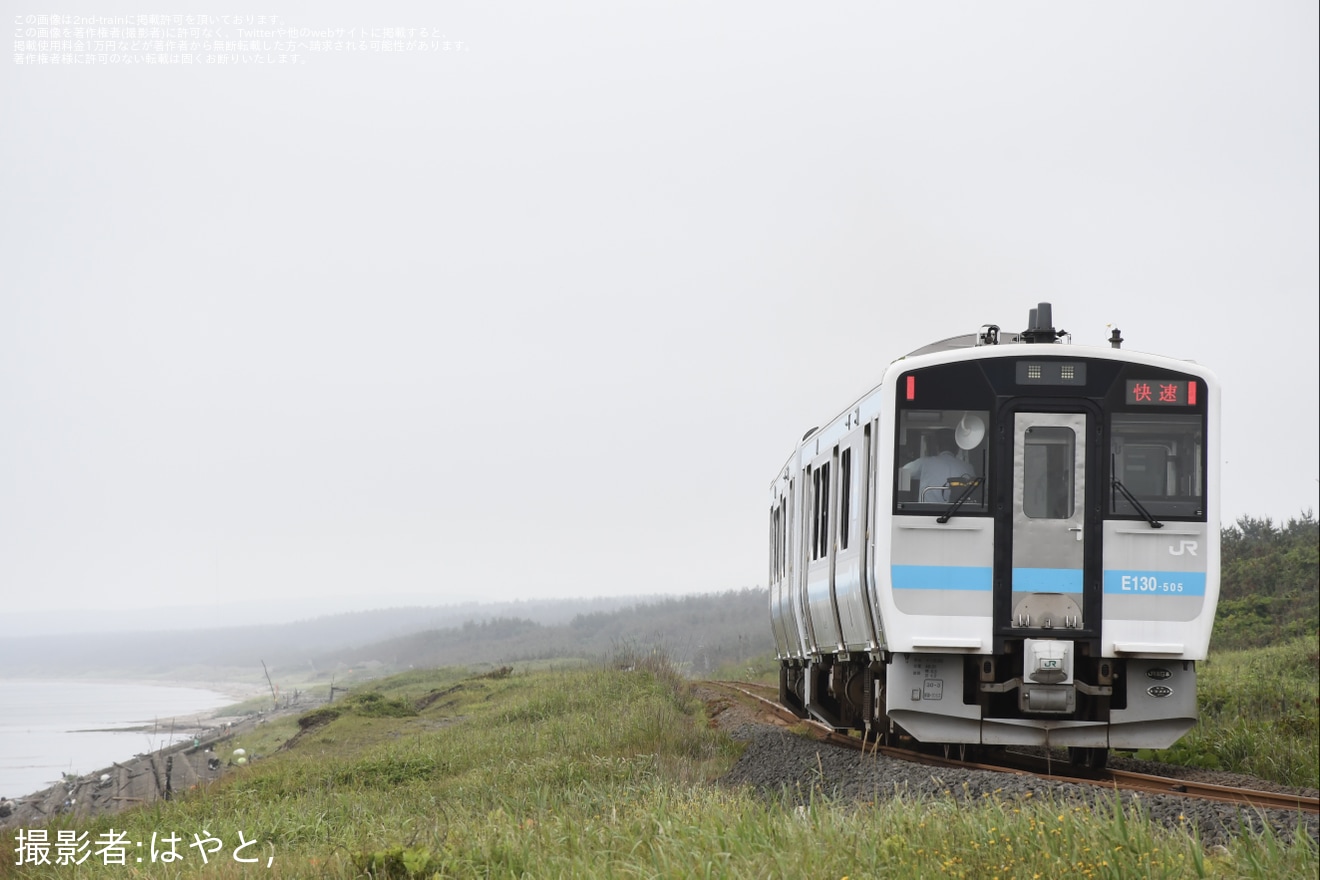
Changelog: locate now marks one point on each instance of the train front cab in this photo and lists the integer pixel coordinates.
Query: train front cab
(1059, 591)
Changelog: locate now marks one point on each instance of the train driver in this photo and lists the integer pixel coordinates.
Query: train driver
(941, 463)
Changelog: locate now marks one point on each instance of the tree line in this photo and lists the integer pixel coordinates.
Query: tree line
(1270, 582)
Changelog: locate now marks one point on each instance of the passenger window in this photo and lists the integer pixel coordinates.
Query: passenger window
(845, 496)
(820, 512)
(824, 510)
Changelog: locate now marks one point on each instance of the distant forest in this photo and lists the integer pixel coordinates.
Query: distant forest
(1270, 582)
(1269, 592)
(699, 633)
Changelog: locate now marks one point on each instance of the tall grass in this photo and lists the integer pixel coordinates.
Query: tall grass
(1260, 714)
(604, 772)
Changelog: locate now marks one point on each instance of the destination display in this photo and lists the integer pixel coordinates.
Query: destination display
(1161, 392)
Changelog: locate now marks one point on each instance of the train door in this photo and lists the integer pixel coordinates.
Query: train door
(808, 524)
(783, 614)
(822, 610)
(850, 537)
(1049, 586)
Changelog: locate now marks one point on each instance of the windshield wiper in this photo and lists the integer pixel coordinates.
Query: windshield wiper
(1132, 499)
(966, 493)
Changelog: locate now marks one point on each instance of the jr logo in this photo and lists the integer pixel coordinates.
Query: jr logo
(1184, 547)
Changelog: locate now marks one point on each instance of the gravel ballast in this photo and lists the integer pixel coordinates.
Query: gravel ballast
(777, 761)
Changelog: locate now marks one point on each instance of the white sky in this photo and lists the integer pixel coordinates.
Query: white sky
(544, 316)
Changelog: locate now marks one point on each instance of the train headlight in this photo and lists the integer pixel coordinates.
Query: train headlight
(1047, 661)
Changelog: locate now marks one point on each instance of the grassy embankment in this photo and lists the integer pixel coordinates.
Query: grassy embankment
(1260, 689)
(600, 772)
(1260, 714)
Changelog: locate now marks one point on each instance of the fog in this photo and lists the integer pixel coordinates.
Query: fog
(540, 314)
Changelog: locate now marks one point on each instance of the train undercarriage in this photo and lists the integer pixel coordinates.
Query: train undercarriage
(987, 702)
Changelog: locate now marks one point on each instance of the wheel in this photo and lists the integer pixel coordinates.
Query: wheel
(1094, 759)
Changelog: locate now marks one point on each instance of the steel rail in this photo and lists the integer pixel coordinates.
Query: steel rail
(1143, 783)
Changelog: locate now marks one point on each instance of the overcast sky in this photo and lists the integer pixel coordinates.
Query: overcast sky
(542, 315)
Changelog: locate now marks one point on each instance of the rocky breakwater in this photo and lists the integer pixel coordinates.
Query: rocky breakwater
(143, 779)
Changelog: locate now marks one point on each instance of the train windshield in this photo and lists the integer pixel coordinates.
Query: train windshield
(1159, 459)
(941, 459)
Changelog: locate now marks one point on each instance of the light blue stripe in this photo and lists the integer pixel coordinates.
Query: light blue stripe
(1047, 580)
(1154, 583)
(942, 577)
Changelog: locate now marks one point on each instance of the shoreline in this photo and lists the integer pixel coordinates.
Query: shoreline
(188, 730)
(143, 778)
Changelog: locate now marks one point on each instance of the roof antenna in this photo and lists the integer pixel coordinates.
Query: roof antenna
(1041, 326)
(1116, 339)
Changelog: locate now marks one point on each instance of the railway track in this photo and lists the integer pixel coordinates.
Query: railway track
(766, 696)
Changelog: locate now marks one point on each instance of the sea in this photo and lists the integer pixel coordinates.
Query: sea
(50, 728)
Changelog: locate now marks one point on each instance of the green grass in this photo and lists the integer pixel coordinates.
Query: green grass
(762, 669)
(1260, 714)
(601, 771)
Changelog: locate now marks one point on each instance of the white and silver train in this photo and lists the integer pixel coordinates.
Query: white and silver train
(1010, 541)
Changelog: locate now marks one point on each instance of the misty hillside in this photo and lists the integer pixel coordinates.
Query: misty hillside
(698, 627)
(699, 633)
